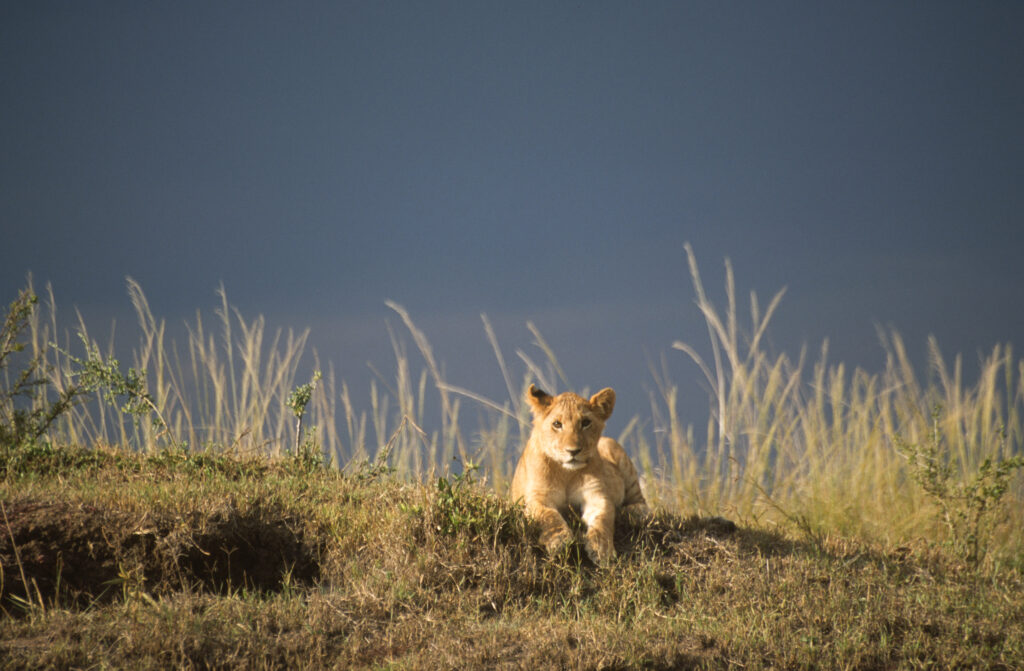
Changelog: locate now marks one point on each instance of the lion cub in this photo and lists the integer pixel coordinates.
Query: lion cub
(567, 463)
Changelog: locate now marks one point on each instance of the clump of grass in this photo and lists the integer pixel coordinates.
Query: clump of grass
(789, 442)
(460, 510)
(227, 393)
(236, 390)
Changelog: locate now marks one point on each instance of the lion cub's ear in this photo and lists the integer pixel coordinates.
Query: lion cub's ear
(539, 400)
(604, 401)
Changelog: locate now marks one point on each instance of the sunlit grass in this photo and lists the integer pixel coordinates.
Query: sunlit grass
(792, 440)
(197, 560)
(813, 443)
(214, 539)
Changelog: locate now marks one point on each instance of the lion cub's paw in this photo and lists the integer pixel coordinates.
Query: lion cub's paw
(555, 542)
(600, 548)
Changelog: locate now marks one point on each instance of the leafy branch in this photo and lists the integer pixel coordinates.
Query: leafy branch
(124, 391)
(26, 411)
(96, 374)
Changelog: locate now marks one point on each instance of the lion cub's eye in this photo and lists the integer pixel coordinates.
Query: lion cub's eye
(556, 425)
(585, 423)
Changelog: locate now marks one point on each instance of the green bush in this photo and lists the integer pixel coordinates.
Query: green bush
(26, 408)
(969, 508)
(30, 403)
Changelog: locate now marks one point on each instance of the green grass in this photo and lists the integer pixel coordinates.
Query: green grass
(176, 560)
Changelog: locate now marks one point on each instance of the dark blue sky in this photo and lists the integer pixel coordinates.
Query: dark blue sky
(542, 161)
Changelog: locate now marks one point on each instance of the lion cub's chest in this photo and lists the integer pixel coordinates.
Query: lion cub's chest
(602, 487)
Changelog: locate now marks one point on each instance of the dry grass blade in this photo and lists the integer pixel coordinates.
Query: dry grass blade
(450, 408)
(549, 353)
(492, 338)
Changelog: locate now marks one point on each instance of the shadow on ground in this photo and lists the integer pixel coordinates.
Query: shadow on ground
(81, 555)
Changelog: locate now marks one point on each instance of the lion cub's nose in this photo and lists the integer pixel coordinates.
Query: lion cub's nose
(573, 451)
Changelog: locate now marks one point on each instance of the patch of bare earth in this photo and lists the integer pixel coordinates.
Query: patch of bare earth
(82, 554)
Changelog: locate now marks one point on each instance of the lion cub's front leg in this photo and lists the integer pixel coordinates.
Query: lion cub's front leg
(599, 516)
(554, 532)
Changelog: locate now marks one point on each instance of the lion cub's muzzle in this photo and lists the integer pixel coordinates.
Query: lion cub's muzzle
(575, 459)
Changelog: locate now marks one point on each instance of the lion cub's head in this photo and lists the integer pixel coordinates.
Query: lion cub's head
(567, 427)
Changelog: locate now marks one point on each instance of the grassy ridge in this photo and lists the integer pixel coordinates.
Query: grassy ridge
(881, 517)
(179, 560)
(788, 441)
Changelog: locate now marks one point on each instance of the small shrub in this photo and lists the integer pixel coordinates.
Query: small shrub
(297, 401)
(462, 509)
(26, 410)
(970, 509)
(96, 374)
(29, 402)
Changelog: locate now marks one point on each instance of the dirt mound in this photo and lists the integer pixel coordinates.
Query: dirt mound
(81, 554)
(54, 547)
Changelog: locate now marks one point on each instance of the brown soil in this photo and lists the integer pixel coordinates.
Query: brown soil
(85, 554)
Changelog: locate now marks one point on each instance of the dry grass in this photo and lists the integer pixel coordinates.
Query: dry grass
(795, 442)
(813, 445)
(177, 560)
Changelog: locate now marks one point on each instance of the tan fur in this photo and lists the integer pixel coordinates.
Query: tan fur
(567, 463)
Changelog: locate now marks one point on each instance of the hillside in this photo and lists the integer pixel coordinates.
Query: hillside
(197, 560)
